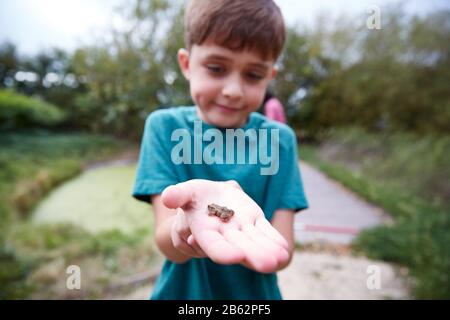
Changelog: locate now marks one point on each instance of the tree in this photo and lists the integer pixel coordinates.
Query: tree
(391, 79)
(9, 62)
(125, 74)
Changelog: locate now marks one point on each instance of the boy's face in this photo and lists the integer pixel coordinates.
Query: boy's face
(225, 85)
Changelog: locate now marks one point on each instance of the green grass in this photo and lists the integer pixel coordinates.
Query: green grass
(408, 177)
(32, 163)
(42, 253)
(45, 242)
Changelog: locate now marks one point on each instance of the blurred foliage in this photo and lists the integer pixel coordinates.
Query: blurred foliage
(31, 164)
(393, 79)
(48, 76)
(18, 112)
(419, 242)
(407, 175)
(42, 254)
(133, 73)
(13, 273)
(9, 63)
(48, 241)
(407, 161)
(334, 74)
(34, 162)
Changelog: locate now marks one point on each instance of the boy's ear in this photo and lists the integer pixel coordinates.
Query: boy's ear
(274, 73)
(183, 61)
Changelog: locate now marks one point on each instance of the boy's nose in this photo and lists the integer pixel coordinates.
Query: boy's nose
(232, 88)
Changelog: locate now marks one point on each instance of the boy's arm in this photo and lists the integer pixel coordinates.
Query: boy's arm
(164, 219)
(283, 221)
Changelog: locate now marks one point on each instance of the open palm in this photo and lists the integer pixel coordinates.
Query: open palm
(247, 238)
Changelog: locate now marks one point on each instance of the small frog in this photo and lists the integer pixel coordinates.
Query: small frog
(223, 213)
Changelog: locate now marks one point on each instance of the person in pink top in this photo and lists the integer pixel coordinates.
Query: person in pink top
(273, 109)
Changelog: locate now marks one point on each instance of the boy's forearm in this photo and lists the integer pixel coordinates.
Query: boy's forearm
(165, 244)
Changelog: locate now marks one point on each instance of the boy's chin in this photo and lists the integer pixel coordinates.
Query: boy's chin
(226, 123)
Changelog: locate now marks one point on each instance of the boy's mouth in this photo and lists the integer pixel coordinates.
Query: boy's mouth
(226, 108)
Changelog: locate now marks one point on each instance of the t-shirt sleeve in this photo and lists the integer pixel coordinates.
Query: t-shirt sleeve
(292, 196)
(155, 170)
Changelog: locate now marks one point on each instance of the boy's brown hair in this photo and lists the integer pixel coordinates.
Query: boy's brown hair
(236, 24)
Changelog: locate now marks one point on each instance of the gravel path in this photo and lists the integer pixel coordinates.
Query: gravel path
(335, 214)
(326, 269)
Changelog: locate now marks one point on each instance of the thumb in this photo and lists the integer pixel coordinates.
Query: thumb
(233, 183)
(177, 196)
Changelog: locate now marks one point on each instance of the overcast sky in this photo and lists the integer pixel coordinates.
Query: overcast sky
(34, 25)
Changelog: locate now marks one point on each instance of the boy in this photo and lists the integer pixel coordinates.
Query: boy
(231, 49)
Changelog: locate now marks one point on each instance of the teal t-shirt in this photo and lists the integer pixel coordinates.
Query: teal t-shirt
(272, 179)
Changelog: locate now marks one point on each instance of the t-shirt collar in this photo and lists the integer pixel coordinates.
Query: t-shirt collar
(193, 116)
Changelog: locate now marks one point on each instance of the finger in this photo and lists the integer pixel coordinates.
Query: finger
(191, 241)
(271, 247)
(218, 248)
(183, 246)
(255, 255)
(181, 233)
(265, 227)
(177, 196)
(234, 183)
(181, 226)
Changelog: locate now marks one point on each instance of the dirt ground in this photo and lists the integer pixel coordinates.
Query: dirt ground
(329, 276)
(325, 276)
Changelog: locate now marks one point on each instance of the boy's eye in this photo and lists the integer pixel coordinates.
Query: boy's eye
(254, 76)
(215, 69)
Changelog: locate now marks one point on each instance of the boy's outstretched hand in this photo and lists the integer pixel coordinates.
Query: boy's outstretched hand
(247, 238)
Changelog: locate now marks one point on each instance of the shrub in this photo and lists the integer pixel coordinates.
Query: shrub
(18, 111)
